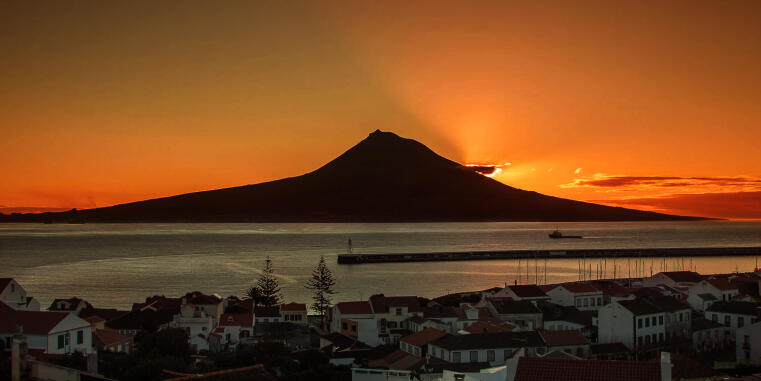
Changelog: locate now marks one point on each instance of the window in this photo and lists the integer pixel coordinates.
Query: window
(578, 302)
(653, 321)
(490, 355)
(639, 323)
(647, 339)
(354, 328)
(417, 351)
(660, 337)
(80, 337)
(60, 341)
(660, 320)
(727, 321)
(344, 326)
(599, 300)
(715, 317)
(647, 322)
(13, 287)
(740, 322)
(456, 357)
(639, 340)
(473, 356)
(680, 317)
(586, 302)
(227, 337)
(398, 311)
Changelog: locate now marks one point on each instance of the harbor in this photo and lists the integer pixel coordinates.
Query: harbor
(355, 259)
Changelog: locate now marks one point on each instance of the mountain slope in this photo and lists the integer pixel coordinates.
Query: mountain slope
(383, 178)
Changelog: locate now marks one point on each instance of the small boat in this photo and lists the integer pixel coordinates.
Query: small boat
(557, 234)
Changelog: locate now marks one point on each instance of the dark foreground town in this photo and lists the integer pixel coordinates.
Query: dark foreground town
(677, 325)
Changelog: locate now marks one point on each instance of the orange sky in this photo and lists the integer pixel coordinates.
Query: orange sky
(653, 105)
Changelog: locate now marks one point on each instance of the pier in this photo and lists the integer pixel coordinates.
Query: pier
(355, 259)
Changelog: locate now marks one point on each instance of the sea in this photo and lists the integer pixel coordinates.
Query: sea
(115, 265)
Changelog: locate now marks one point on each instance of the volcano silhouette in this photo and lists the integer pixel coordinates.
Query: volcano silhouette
(384, 178)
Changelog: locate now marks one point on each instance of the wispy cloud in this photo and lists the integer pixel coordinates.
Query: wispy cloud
(670, 184)
(740, 205)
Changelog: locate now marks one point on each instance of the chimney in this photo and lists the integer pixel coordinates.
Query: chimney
(18, 352)
(666, 366)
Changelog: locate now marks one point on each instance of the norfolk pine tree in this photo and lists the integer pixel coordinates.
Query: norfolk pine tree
(321, 283)
(268, 285)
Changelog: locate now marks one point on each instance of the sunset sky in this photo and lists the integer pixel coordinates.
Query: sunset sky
(647, 104)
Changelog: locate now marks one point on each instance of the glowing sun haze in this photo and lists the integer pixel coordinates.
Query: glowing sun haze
(653, 105)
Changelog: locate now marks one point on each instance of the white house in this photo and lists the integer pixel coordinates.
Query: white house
(522, 292)
(197, 324)
(709, 336)
(674, 279)
(644, 323)
(417, 343)
(390, 313)
(69, 305)
(295, 313)
(748, 344)
(584, 296)
(734, 314)
(493, 348)
(356, 320)
(704, 293)
(523, 313)
(51, 332)
(571, 342)
(233, 328)
(15, 296)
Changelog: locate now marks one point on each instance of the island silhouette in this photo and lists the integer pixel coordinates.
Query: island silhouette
(384, 178)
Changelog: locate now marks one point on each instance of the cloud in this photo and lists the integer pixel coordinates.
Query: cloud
(488, 170)
(687, 185)
(739, 205)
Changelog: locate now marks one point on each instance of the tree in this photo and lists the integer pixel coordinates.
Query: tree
(321, 283)
(268, 285)
(254, 293)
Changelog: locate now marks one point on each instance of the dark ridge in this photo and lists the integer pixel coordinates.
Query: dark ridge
(384, 178)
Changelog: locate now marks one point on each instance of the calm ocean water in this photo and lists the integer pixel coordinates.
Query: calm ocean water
(114, 265)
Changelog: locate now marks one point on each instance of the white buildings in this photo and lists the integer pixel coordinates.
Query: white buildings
(523, 313)
(584, 296)
(355, 319)
(704, 293)
(493, 348)
(522, 292)
(734, 314)
(674, 279)
(644, 323)
(50, 332)
(748, 344)
(13, 295)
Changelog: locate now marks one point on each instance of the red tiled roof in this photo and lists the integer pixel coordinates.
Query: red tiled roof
(544, 369)
(527, 291)
(398, 360)
(293, 307)
(581, 287)
(563, 338)
(381, 303)
(684, 276)
(721, 283)
(354, 308)
(423, 337)
(484, 327)
(109, 337)
(33, 322)
(237, 320)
